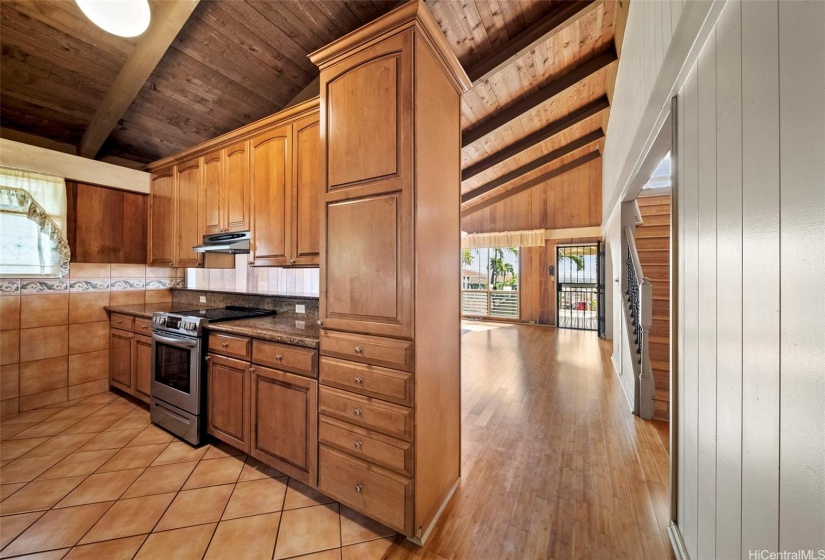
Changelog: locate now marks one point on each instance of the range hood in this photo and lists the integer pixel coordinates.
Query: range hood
(235, 243)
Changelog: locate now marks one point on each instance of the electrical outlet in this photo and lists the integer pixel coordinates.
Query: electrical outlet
(300, 308)
(203, 299)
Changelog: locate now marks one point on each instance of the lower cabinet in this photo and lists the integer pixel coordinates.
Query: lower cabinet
(285, 422)
(227, 413)
(268, 413)
(130, 363)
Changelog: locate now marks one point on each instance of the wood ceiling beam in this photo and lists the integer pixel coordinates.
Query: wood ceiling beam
(528, 39)
(555, 127)
(532, 101)
(532, 183)
(167, 20)
(579, 143)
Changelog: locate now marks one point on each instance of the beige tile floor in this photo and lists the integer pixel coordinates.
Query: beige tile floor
(94, 479)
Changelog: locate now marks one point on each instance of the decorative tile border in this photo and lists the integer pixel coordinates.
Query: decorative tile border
(164, 283)
(9, 287)
(92, 285)
(32, 287)
(127, 284)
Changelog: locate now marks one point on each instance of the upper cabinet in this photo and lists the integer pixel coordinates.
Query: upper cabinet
(226, 189)
(286, 187)
(265, 178)
(162, 218)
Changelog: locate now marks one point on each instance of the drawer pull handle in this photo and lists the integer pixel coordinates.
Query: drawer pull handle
(279, 357)
(358, 488)
(224, 344)
(358, 380)
(357, 445)
(357, 412)
(358, 350)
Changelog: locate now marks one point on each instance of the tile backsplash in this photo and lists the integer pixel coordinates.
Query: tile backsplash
(54, 333)
(245, 278)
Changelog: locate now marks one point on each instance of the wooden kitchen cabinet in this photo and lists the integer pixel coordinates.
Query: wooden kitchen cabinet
(120, 359)
(390, 399)
(226, 196)
(188, 196)
(286, 186)
(285, 422)
(271, 180)
(142, 367)
(162, 218)
(130, 356)
(227, 414)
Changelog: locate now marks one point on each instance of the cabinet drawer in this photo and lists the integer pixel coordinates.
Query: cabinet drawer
(372, 381)
(373, 414)
(122, 322)
(228, 345)
(375, 492)
(286, 357)
(376, 350)
(143, 326)
(371, 446)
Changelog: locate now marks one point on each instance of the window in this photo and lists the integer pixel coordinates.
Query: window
(32, 225)
(490, 281)
(661, 176)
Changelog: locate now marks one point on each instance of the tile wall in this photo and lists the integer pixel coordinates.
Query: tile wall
(54, 334)
(244, 278)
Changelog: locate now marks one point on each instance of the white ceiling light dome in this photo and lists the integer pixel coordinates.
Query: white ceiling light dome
(126, 18)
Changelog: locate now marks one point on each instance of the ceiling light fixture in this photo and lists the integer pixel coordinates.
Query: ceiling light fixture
(126, 18)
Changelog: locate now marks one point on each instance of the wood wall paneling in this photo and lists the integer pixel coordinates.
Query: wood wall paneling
(106, 225)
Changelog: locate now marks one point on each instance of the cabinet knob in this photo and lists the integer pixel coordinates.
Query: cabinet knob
(251, 262)
(251, 368)
(131, 336)
(358, 350)
(357, 412)
(225, 344)
(206, 358)
(279, 357)
(358, 380)
(291, 261)
(357, 445)
(119, 321)
(320, 323)
(358, 488)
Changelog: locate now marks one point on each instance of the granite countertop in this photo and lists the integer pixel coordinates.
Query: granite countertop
(287, 329)
(147, 309)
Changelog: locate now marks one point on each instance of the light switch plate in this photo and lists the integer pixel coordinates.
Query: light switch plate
(203, 299)
(300, 308)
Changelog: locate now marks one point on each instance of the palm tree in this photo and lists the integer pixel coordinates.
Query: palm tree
(497, 264)
(467, 257)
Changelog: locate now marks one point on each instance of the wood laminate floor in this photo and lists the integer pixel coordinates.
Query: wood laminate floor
(554, 466)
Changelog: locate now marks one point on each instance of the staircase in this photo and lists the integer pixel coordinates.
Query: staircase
(653, 246)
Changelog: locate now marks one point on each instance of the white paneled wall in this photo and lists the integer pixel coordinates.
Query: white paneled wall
(650, 27)
(751, 125)
(244, 278)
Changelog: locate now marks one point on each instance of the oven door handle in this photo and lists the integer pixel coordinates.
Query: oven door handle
(177, 342)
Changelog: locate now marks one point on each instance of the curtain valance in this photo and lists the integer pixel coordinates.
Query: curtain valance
(529, 238)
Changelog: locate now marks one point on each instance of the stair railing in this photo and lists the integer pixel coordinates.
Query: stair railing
(639, 297)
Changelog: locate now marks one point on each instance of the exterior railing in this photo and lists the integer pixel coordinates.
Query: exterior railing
(499, 304)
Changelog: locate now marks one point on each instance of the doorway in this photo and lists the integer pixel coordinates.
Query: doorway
(578, 298)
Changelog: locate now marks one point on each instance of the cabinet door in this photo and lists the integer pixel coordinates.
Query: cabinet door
(271, 178)
(187, 222)
(285, 422)
(366, 285)
(162, 219)
(142, 367)
(228, 401)
(366, 105)
(120, 359)
(236, 187)
(307, 186)
(212, 192)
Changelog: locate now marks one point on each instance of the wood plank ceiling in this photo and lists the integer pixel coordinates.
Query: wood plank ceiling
(542, 73)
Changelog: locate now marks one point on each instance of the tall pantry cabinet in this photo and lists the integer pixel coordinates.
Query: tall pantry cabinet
(389, 400)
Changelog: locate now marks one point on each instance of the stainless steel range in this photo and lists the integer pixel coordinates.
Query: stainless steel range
(178, 374)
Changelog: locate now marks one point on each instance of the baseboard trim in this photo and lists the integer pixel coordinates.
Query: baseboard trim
(677, 542)
(421, 540)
